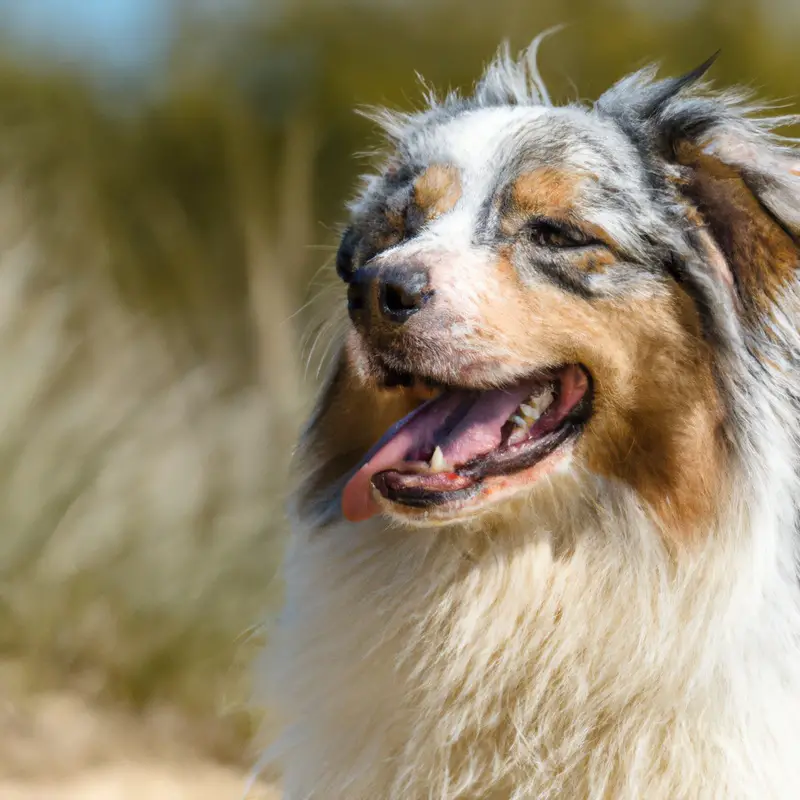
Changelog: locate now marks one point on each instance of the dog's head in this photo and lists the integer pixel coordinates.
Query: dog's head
(537, 291)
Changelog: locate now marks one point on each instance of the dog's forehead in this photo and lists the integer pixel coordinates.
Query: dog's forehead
(489, 145)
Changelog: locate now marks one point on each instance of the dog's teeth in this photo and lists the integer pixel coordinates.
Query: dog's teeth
(439, 462)
(529, 414)
(533, 409)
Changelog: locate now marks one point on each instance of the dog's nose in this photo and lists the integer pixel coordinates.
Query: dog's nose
(403, 291)
(397, 293)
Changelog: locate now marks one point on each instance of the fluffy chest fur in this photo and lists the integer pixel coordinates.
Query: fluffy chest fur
(490, 663)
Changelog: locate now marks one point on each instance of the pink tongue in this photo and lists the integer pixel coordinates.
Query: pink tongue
(477, 433)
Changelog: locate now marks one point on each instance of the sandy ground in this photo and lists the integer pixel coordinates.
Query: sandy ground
(57, 747)
(142, 781)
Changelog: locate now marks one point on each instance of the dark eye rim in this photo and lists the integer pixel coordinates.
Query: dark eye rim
(573, 238)
(346, 253)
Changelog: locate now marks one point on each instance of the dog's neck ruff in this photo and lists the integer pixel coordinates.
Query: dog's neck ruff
(558, 654)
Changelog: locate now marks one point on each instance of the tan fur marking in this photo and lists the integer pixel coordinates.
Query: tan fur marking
(437, 190)
(547, 191)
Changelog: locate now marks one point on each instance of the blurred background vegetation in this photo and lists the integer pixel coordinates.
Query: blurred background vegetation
(172, 175)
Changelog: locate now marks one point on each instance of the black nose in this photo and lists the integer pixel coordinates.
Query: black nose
(403, 292)
(397, 292)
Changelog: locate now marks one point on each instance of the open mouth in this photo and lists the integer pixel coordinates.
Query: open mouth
(465, 444)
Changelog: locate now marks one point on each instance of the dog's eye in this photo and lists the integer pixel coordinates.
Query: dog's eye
(546, 233)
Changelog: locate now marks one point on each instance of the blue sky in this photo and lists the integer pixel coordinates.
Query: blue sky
(123, 35)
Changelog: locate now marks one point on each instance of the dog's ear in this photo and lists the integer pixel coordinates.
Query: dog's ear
(740, 182)
(350, 415)
(747, 195)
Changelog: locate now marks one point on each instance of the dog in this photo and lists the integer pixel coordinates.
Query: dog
(545, 526)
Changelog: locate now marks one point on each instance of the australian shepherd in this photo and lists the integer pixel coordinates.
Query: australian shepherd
(546, 531)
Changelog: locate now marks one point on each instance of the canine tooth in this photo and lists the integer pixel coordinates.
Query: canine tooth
(538, 403)
(439, 462)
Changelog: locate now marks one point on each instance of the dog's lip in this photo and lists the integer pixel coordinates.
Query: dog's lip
(473, 431)
(469, 481)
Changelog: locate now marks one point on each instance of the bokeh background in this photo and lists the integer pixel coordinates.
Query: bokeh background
(172, 177)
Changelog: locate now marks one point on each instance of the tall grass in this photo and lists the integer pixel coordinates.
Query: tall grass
(149, 391)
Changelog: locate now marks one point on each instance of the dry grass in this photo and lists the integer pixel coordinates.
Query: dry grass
(149, 401)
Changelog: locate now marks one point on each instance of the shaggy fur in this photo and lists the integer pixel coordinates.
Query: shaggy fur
(627, 626)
